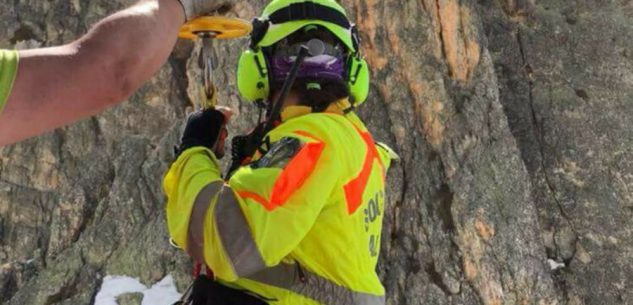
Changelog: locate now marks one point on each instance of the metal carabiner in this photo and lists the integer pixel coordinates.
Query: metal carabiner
(207, 29)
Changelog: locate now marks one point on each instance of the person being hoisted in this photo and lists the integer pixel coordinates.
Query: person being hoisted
(299, 220)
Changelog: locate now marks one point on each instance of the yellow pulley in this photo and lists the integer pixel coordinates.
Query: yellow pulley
(218, 26)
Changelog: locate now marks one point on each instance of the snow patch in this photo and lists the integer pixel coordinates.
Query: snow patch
(162, 293)
(554, 265)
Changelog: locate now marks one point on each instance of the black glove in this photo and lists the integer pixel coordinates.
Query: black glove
(205, 128)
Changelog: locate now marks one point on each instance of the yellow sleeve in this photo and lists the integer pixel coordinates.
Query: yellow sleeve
(194, 169)
(264, 211)
(8, 70)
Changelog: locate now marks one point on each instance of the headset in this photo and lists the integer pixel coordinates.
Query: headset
(253, 69)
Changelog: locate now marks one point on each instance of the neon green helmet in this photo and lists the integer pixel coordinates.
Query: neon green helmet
(280, 19)
(334, 20)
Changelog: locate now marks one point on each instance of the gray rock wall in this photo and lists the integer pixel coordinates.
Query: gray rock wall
(511, 118)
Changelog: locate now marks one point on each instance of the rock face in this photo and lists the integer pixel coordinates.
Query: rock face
(511, 118)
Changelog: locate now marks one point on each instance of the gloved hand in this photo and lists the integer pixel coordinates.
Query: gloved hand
(197, 8)
(206, 128)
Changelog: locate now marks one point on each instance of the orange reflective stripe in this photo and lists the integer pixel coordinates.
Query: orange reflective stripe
(356, 187)
(298, 170)
(293, 176)
(296, 173)
(307, 135)
(261, 200)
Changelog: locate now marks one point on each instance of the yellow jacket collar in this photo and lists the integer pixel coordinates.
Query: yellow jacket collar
(339, 107)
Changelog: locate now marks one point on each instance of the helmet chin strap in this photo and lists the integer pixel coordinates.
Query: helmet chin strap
(285, 89)
(245, 147)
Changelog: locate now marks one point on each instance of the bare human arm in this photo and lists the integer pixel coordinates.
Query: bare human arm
(59, 85)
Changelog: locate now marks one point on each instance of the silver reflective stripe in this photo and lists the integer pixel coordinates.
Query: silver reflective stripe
(195, 240)
(232, 228)
(236, 236)
(313, 286)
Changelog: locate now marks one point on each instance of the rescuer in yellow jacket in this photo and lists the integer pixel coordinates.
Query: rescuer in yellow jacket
(300, 221)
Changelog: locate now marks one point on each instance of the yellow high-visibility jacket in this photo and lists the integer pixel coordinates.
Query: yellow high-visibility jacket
(301, 223)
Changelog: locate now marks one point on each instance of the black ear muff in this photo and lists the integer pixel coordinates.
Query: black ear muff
(354, 70)
(355, 38)
(352, 67)
(357, 71)
(259, 31)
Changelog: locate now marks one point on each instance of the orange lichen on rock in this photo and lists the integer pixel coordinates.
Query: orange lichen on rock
(431, 7)
(394, 38)
(433, 125)
(484, 282)
(431, 113)
(470, 270)
(459, 42)
(367, 23)
(477, 268)
(484, 230)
